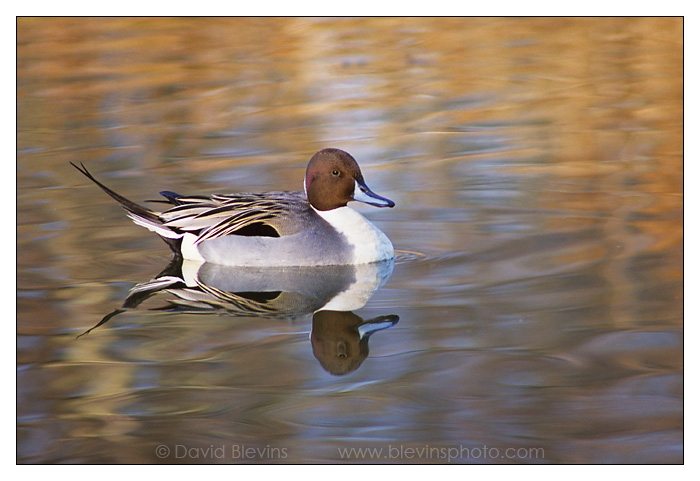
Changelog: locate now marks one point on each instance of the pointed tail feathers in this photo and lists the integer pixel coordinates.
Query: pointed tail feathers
(139, 214)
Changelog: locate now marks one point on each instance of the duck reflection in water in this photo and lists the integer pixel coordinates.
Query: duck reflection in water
(339, 337)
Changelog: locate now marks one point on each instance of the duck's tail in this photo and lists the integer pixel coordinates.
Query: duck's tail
(142, 216)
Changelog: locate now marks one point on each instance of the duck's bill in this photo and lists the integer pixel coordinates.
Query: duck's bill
(377, 324)
(364, 194)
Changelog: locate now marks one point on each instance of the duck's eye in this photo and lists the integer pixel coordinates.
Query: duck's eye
(336, 173)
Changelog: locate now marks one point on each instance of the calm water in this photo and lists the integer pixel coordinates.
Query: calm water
(533, 315)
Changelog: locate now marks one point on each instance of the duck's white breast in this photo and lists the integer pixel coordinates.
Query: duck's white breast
(367, 242)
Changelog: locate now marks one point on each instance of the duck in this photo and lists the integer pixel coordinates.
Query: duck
(315, 227)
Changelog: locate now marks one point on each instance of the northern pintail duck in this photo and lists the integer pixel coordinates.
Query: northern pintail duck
(315, 227)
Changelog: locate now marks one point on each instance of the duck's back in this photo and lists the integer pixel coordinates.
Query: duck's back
(275, 228)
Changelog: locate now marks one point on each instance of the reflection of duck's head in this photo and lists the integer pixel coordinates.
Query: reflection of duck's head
(340, 339)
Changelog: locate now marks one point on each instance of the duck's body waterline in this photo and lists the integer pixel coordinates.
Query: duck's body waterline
(274, 229)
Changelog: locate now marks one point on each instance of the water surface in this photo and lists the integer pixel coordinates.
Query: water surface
(534, 314)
